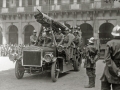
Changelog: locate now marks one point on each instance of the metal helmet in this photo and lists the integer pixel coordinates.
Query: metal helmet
(91, 40)
(116, 31)
(75, 31)
(34, 31)
(59, 29)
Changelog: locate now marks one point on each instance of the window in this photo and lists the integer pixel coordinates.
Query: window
(92, 1)
(59, 2)
(45, 2)
(71, 1)
(34, 2)
(78, 1)
(40, 2)
(52, 2)
(30, 2)
(23, 3)
(1, 3)
(7, 3)
(17, 3)
(65, 1)
(85, 1)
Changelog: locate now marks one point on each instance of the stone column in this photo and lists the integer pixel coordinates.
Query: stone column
(20, 41)
(55, 2)
(37, 2)
(4, 33)
(4, 3)
(20, 3)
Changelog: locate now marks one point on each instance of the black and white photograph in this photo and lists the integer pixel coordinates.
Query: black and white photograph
(59, 44)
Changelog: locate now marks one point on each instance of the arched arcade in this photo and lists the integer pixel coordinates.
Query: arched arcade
(105, 32)
(27, 33)
(87, 32)
(13, 34)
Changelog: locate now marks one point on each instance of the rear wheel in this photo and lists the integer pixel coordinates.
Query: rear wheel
(55, 71)
(77, 63)
(19, 70)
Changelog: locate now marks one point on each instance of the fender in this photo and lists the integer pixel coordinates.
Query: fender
(54, 59)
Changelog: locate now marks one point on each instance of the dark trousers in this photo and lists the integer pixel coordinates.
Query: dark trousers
(90, 72)
(107, 86)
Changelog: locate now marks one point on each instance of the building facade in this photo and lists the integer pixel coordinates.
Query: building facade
(95, 18)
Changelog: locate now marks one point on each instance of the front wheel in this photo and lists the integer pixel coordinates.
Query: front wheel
(55, 71)
(19, 70)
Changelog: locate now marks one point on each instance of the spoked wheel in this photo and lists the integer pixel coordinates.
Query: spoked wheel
(19, 70)
(55, 71)
(77, 63)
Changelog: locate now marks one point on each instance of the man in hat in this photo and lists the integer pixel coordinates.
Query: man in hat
(33, 38)
(59, 37)
(111, 75)
(90, 62)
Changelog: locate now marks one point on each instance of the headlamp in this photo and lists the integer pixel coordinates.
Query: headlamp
(48, 57)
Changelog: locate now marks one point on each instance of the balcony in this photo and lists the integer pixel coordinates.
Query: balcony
(85, 6)
(65, 7)
(4, 10)
(29, 9)
(55, 7)
(46, 8)
(75, 6)
(20, 9)
(37, 7)
(13, 10)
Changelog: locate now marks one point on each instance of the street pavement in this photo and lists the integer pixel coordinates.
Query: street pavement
(68, 81)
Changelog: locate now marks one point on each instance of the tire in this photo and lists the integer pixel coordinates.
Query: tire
(19, 70)
(77, 64)
(54, 72)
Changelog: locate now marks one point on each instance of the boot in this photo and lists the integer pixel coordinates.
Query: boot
(91, 83)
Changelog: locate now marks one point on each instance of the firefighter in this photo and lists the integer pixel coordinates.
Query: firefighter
(59, 37)
(111, 74)
(33, 38)
(48, 38)
(90, 62)
(77, 39)
(67, 41)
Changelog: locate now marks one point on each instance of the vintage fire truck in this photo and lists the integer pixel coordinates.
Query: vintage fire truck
(36, 59)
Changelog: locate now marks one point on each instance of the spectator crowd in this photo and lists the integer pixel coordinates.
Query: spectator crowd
(7, 49)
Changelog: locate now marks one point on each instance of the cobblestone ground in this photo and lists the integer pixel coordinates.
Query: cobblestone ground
(68, 81)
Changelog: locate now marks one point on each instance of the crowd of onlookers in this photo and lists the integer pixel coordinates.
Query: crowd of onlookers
(7, 49)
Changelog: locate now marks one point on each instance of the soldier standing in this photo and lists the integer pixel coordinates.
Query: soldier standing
(111, 74)
(59, 37)
(90, 62)
(33, 38)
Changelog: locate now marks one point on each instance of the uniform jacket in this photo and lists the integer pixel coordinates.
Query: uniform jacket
(59, 37)
(91, 53)
(68, 39)
(112, 59)
(33, 39)
(48, 41)
(77, 41)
